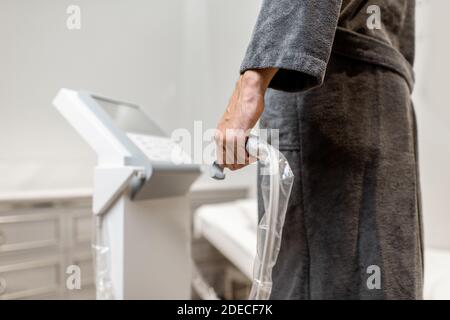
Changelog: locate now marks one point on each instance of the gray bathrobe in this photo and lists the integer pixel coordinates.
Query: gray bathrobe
(341, 101)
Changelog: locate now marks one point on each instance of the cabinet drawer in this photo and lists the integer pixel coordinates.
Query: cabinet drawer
(82, 228)
(28, 231)
(28, 279)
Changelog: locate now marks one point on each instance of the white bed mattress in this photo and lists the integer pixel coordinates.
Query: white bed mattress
(231, 228)
(437, 274)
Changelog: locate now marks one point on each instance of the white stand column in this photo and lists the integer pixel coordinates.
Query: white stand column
(150, 248)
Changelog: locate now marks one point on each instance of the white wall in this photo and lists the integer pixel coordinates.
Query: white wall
(216, 36)
(177, 58)
(433, 112)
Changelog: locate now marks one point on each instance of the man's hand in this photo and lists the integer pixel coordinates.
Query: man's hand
(244, 109)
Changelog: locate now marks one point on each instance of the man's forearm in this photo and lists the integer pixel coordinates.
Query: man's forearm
(242, 113)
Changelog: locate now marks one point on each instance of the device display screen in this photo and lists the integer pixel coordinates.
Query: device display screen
(129, 117)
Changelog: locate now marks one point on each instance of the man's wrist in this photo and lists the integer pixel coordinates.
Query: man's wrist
(253, 86)
(258, 79)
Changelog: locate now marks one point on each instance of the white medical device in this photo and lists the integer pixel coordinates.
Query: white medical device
(141, 184)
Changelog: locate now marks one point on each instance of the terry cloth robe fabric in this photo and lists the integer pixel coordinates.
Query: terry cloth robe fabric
(341, 101)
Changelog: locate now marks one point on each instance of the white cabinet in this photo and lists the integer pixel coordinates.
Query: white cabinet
(41, 235)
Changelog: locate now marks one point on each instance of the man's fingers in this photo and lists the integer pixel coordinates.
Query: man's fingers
(230, 148)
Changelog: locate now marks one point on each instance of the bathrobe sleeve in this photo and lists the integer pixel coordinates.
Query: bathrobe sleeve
(295, 36)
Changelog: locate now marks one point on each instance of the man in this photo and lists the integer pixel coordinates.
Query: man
(339, 94)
